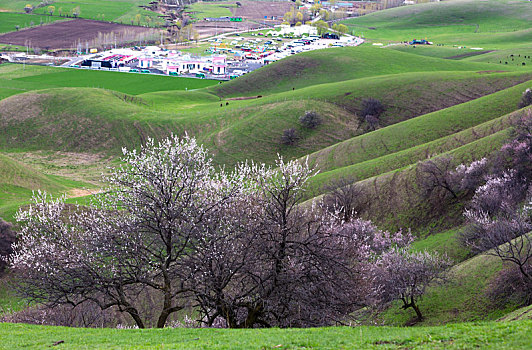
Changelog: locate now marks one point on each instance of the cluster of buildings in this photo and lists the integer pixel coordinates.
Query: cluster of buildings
(158, 60)
(177, 63)
(255, 52)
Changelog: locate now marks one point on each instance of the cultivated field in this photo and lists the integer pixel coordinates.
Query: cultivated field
(66, 35)
(206, 29)
(200, 10)
(256, 10)
(252, 12)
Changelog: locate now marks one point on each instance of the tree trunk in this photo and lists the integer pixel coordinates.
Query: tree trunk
(161, 322)
(413, 305)
(167, 303)
(418, 313)
(133, 312)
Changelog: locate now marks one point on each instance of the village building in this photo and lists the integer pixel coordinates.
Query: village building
(187, 64)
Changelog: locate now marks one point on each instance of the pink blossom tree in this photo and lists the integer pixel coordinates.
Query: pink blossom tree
(399, 274)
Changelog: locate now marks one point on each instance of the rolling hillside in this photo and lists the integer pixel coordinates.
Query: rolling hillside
(337, 64)
(491, 24)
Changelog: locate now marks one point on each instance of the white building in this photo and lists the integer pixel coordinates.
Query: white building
(187, 64)
(296, 30)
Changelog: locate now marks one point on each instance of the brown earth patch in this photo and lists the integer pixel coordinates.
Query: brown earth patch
(491, 71)
(11, 108)
(206, 29)
(243, 98)
(81, 192)
(252, 12)
(66, 35)
(256, 10)
(469, 54)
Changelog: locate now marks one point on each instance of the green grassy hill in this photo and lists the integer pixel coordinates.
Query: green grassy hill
(490, 24)
(439, 131)
(338, 64)
(235, 132)
(463, 297)
(524, 313)
(18, 181)
(466, 292)
(15, 80)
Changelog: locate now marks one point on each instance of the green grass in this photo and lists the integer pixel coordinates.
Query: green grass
(514, 57)
(18, 181)
(524, 313)
(9, 21)
(489, 24)
(491, 335)
(130, 83)
(438, 51)
(122, 11)
(11, 48)
(201, 10)
(339, 64)
(419, 130)
(445, 242)
(9, 302)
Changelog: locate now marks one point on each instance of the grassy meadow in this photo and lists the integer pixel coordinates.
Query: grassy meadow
(200, 10)
(31, 78)
(120, 11)
(9, 21)
(491, 335)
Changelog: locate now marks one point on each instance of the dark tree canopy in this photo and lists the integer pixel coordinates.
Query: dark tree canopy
(289, 137)
(345, 197)
(373, 107)
(310, 119)
(526, 99)
(7, 238)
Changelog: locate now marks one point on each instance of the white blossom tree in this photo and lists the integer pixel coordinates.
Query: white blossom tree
(132, 240)
(237, 245)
